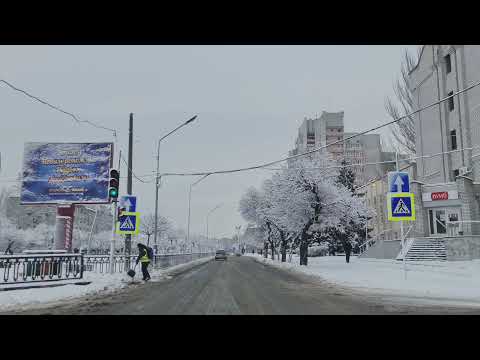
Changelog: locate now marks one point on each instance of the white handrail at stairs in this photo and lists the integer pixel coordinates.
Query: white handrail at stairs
(364, 246)
(406, 245)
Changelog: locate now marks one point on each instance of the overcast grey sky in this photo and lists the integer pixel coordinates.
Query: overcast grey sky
(249, 100)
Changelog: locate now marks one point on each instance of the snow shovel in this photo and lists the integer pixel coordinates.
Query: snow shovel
(131, 272)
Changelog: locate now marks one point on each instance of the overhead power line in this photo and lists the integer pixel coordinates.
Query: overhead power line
(152, 174)
(324, 146)
(73, 116)
(349, 165)
(429, 156)
(135, 176)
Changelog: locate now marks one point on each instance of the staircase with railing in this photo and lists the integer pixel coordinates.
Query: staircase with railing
(424, 249)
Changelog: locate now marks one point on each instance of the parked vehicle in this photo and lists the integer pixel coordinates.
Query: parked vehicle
(221, 255)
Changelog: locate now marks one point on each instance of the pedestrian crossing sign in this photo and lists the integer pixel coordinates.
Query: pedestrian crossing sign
(129, 223)
(401, 207)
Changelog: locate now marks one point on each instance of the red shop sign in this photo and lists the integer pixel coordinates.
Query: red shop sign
(442, 195)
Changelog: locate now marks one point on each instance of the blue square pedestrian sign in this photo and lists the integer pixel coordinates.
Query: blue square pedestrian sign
(398, 182)
(129, 223)
(401, 206)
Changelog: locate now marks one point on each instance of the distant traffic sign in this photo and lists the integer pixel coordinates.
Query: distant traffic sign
(129, 202)
(129, 223)
(401, 206)
(398, 182)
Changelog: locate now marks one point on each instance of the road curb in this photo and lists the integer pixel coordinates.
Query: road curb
(44, 286)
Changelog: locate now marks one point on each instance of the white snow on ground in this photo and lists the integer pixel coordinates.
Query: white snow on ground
(455, 283)
(100, 284)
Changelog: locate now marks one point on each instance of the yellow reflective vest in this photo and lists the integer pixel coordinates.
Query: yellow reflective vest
(145, 258)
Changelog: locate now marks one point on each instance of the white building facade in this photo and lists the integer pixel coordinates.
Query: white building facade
(447, 186)
(446, 183)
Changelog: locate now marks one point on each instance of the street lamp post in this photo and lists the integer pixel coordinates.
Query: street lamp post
(157, 177)
(189, 204)
(211, 211)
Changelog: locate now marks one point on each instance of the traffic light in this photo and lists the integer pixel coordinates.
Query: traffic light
(114, 184)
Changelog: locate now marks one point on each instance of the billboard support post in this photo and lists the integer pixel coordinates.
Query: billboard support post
(60, 228)
(64, 227)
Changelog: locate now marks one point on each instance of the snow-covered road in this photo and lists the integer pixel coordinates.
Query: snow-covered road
(243, 286)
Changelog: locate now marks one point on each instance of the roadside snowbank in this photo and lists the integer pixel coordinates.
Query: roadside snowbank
(100, 284)
(450, 282)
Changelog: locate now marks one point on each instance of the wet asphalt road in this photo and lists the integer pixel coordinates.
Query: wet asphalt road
(237, 286)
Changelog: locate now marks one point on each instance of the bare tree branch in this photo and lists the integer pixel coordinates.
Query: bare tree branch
(403, 131)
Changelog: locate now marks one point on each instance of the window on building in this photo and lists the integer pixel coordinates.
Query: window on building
(453, 138)
(451, 104)
(456, 172)
(448, 63)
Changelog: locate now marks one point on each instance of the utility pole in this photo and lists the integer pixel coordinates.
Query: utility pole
(114, 217)
(128, 238)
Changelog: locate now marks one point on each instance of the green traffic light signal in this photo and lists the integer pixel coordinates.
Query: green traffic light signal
(114, 184)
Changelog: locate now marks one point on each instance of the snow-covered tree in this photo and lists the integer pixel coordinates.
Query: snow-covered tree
(300, 195)
(299, 205)
(270, 210)
(346, 176)
(250, 207)
(351, 211)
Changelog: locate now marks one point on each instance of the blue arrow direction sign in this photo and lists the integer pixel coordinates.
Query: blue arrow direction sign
(128, 223)
(401, 207)
(129, 202)
(398, 182)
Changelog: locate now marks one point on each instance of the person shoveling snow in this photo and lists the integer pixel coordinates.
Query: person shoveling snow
(144, 256)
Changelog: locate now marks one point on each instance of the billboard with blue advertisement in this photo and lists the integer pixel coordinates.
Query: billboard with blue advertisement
(60, 173)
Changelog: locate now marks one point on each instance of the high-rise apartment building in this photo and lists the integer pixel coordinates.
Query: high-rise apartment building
(328, 129)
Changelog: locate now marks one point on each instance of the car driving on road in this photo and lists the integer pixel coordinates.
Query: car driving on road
(220, 255)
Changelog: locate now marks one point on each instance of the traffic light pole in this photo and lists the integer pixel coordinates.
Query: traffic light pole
(112, 244)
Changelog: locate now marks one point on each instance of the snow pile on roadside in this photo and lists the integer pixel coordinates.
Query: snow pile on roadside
(100, 283)
(456, 282)
(20, 299)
